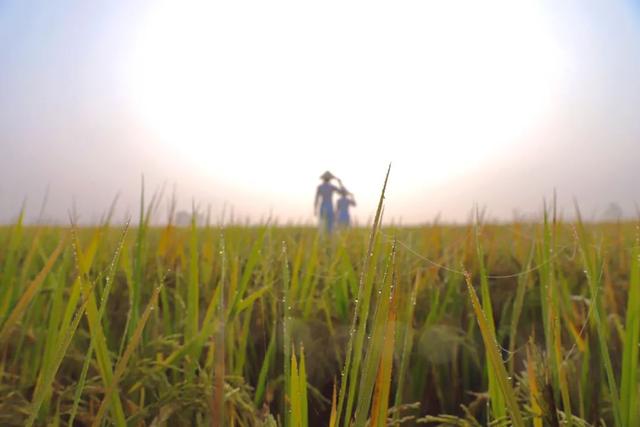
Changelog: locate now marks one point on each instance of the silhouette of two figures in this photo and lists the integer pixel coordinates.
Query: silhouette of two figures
(329, 217)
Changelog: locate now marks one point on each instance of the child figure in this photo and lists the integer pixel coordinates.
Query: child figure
(345, 201)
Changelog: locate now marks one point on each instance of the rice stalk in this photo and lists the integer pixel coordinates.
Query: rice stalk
(493, 355)
(19, 309)
(350, 371)
(629, 371)
(122, 363)
(593, 269)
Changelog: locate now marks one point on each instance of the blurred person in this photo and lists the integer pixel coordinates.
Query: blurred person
(323, 203)
(345, 201)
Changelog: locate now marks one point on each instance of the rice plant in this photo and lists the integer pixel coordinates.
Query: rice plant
(523, 324)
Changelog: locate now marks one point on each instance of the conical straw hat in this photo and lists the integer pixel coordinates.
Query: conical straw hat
(327, 175)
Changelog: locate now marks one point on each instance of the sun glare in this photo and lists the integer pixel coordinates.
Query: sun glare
(290, 90)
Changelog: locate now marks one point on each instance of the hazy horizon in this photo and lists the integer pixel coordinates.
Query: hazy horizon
(244, 105)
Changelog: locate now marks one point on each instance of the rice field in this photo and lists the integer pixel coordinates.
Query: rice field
(523, 324)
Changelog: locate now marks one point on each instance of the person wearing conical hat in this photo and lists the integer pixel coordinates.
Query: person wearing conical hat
(345, 201)
(323, 203)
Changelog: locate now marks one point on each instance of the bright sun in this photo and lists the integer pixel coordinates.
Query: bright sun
(260, 95)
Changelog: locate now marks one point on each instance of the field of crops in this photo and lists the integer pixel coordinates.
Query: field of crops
(524, 324)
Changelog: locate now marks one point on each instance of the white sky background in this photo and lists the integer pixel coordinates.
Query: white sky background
(247, 103)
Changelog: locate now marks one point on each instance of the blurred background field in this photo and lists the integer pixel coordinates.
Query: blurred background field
(140, 325)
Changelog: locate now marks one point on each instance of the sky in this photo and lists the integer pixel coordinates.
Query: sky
(240, 106)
